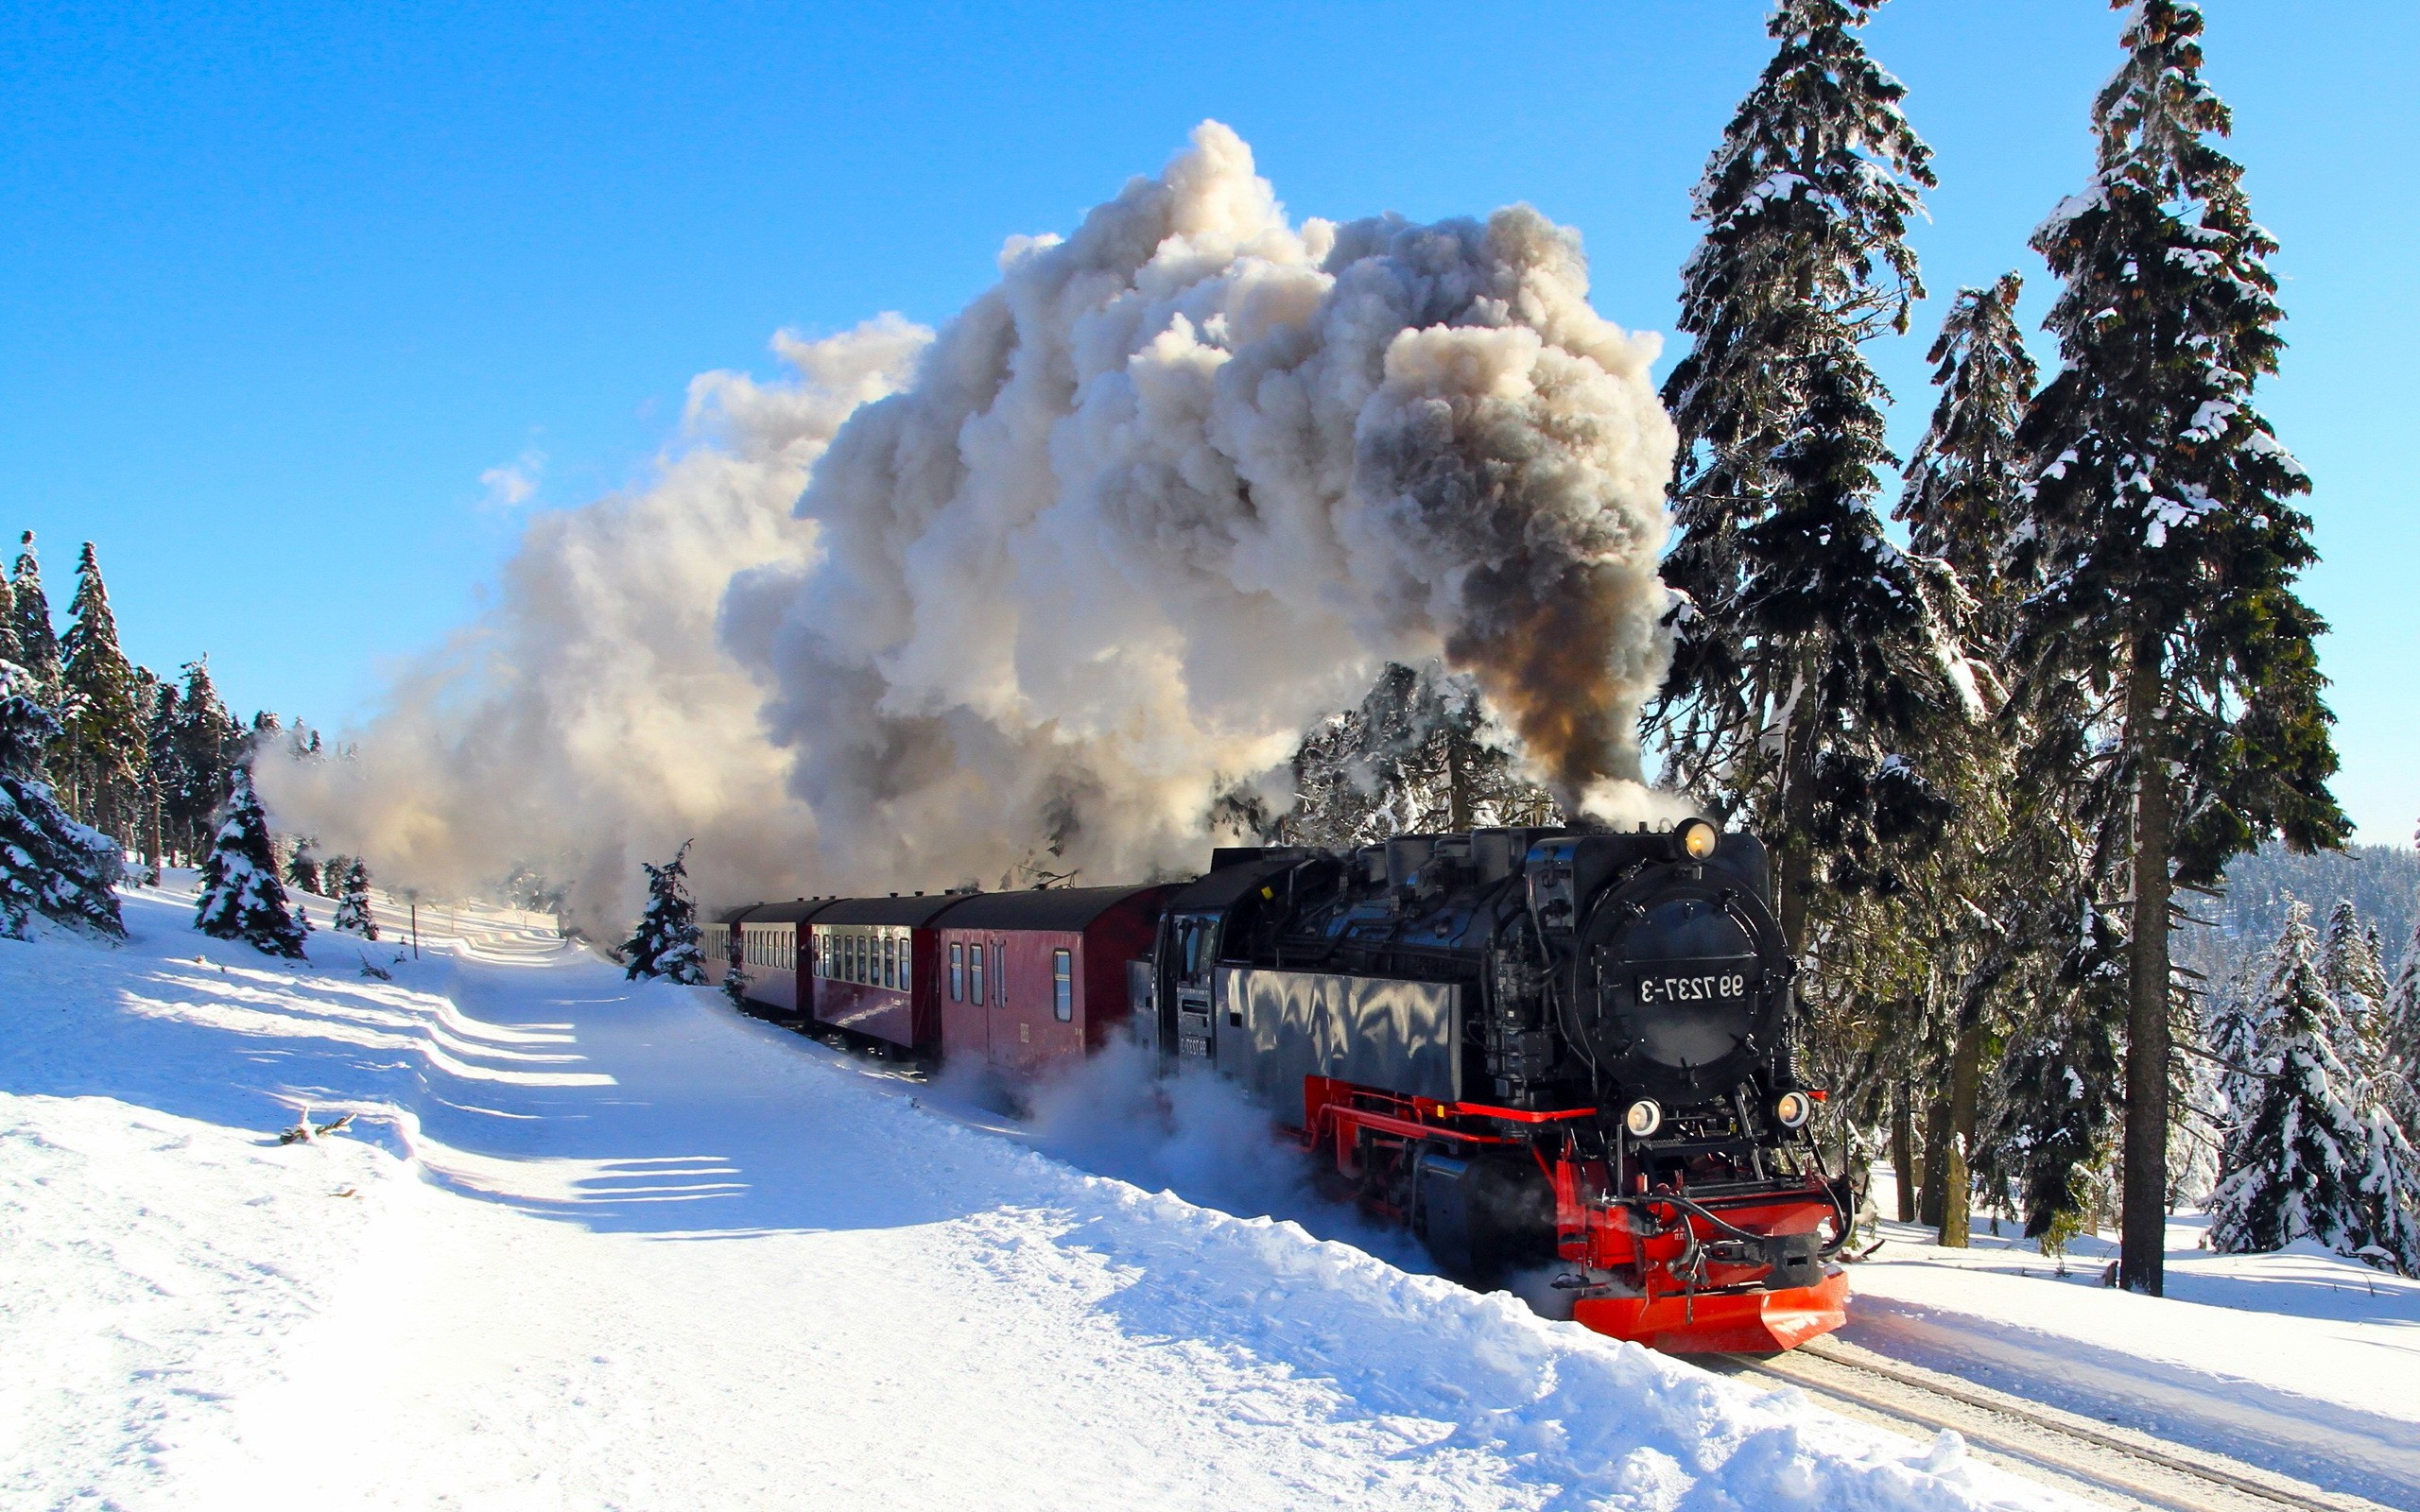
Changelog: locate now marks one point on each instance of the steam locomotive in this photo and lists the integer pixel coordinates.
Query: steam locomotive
(1538, 1049)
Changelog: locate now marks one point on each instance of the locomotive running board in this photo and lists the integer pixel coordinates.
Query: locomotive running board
(1757, 1322)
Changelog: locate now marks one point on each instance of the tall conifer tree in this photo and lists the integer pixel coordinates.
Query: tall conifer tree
(2170, 666)
(104, 744)
(37, 643)
(1810, 666)
(204, 743)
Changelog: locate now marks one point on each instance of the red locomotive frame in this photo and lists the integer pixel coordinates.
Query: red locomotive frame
(1668, 1287)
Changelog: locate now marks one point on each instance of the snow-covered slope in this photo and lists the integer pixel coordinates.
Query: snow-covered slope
(2302, 1360)
(598, 1245)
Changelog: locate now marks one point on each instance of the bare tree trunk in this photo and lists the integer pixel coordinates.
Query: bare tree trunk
(1903, 1153)
(1936, 1160)
(2143, 1207)
(1956, 1182)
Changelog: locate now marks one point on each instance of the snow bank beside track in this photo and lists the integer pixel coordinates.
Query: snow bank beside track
(621, 1248)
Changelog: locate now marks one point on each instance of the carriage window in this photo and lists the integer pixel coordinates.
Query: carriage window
(890, 960)
(957, 970)
(907, 961)
(858, 959)
(1062, 986)
(974, 973)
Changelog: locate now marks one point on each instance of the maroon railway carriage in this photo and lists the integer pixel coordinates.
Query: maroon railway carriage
(1031, 980)
(768, 943)
(872, 968)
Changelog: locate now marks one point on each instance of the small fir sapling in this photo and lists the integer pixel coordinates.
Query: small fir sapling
(303, 869)
(666, 942)
(352, 907)
(241, 898)
(50, 865)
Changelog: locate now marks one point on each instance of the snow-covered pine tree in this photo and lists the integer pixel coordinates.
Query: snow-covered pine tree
(241, 898)
(37, 643)
(2056, 1091)
(1960, 499)
(1811, 675)
(2168, 662)
(2402, 1034)
(352, 907)
(205, 743)
(8, 620)
(2356, 981)
(2300, 1165)
(103, 752)
(302, 867)
(1419, 754)
(666, 943)
(50, 865)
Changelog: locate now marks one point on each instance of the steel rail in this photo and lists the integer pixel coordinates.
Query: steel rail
(2265, 1488)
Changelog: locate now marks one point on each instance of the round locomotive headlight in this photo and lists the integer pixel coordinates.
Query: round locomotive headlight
(1643, 1118)
(1791, 1109)
(1698, 838)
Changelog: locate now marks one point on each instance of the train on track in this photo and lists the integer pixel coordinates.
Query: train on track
(1536, 1048)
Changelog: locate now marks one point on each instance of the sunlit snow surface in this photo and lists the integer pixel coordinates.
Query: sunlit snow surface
(2302, 1360)
(605, 1246)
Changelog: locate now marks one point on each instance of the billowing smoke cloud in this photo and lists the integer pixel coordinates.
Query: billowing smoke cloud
(1172, 488)
(590, 718)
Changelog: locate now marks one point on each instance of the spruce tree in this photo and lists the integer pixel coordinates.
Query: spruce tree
(2171, 667)
(8, 620)
(302, 869)
(50, 865)
(352, 908)
(203, 742)
(103, 748)
(2401, 1032)
(241, 898)
(666, 943)
(1811, 676)
(2300, 1164)
(37, 643)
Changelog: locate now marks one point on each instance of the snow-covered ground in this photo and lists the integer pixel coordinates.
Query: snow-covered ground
(2302, 1360)
(592, 1244)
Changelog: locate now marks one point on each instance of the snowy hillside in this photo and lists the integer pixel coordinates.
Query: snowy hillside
(595, 1244)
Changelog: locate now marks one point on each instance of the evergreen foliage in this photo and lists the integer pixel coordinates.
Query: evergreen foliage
(1812, 672)
(50, 865)
(302, 869)
(2401, 1033)
(199, 743)
(102, 754)
(2171, 683)
(241, 898)
(8, 620)
(666, 943)
(352, 906)
(1962, 486)
(1418, 755)
(2307, 1161)
(36, 647)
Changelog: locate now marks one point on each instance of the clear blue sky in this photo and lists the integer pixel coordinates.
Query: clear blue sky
(279, 282)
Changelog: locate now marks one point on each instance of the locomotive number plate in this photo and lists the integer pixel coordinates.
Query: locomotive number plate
(1708, 986)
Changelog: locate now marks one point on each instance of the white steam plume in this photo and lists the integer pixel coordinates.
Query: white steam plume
(1168, 492)
(589, 720)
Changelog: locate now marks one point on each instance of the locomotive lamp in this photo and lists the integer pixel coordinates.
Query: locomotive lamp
(1791, 1109)
(1644, 1118)
(1696, 838)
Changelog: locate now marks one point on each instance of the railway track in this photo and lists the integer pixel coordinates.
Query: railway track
(2113, 1465)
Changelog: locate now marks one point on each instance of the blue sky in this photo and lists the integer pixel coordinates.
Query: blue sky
(279, 285)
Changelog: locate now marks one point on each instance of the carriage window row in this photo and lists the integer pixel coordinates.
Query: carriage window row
(773, 949)
(870, 954)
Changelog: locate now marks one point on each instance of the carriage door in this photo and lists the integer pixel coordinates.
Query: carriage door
(999, 1014)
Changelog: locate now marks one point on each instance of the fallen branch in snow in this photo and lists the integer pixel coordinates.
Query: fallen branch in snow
(304, 1132)
(379, 971)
